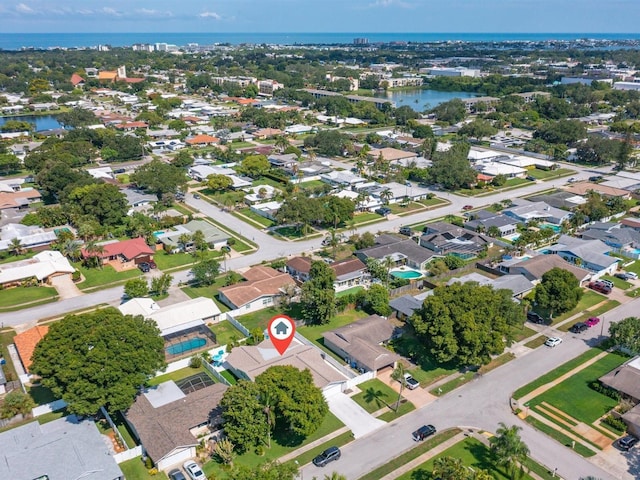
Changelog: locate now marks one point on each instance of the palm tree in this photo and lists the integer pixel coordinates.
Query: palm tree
(183, 240)
(282, 143)
(267, 408)
(71, 249)
(15, 246)
(95, 252)
(448, 468)
(386, 195)
(508, 450)
(398, 375)
(335, 476)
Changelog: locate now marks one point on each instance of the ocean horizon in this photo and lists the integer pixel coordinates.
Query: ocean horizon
(17, 41)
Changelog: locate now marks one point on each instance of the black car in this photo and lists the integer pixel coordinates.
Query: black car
(534, 317)
(328, 456)
(176, 475)
(578, 327)
(423, 432)
(384, 211)
(595, 178)
(406, 231)
(144, 267)
(626, 443)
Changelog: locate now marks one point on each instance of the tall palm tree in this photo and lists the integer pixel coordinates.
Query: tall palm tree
(183, 240)
(282, 143)
(15, 246)
(267, 408)
(71, 249)
(95, 252)
(398, 375)
(509, 450)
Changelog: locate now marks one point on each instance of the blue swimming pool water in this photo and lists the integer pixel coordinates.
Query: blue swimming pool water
(186, 346)
(406, 274)
(555, 228)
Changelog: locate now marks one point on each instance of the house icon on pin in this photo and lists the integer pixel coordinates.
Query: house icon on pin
(281, 328)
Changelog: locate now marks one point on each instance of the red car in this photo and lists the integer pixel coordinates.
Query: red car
(467, 207)
(600, 287)
(592, 321)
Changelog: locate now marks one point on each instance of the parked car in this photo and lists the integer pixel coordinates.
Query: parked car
(600, 287)
(152, 264)
(553, 341)
(193, 470)
(621, 275)
(626, 443)
(410, 382)
(531, 178)
(144, 267)
(534, 317)
(578, 327)
(176, 474)
(592, 321)
(572, 180)
(423, 432)
(406, 231)
(196, 196)
(632, 275)
(329, 455)
(384, 211)
(595, 178)
(608, 283)
(467, 207)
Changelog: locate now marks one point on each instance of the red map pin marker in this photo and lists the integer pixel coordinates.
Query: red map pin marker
(281, 332)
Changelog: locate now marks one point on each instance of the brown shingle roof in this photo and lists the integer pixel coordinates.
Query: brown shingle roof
(165, 428)
(263, 281)
(26, 343)
(300, 264)
(17, 199)
(625, 379)
(538, 266)
(347, 266)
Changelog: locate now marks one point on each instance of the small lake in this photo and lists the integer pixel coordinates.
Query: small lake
(42, 122)
(421, 99)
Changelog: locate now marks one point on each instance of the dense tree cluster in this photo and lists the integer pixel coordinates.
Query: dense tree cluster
(318, 298)
(558, 292)
(451, 169)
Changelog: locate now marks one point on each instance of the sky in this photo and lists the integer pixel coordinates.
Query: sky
(420, 16)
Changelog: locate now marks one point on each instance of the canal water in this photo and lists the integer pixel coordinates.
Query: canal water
(421, 99)
(41, 122)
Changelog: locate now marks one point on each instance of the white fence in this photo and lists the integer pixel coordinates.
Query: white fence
(237, 324)
(48, 408)
(209, 368)
(128, 454)
(352, 382)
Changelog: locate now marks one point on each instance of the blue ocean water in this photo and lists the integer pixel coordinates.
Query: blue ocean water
(15, 41)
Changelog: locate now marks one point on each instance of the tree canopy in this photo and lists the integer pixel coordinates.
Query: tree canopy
(98, 359)
(159, 177)
(100, 201)
(318, 295)
(562, 131)
(466, 323)
(626, 334)
(558, 292)
(452, 169)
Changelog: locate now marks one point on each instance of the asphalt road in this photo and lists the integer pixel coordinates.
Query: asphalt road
(483, 403)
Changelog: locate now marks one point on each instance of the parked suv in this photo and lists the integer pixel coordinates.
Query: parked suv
(328, 456)
(578, 327)
(608, 283)
(535, 317)
(423, 432)
(384, 211)
(626, 443)
(600, 287)
(406, 231)
(144, 267)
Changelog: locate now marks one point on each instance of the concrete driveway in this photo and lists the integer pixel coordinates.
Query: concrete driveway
(419, 397)
(65, 287)
(359, 421)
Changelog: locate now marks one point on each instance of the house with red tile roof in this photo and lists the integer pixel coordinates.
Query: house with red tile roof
(77, 80)
(350, 273)
(128, 126)
(26, 342)
(123, 255)
(264, 287)
(201, 140)
(19, 199)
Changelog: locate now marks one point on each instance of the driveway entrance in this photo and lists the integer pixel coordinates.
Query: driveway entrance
(359, 421)
(65, 287)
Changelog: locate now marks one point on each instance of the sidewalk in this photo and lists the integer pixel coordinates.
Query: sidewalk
(309, 446)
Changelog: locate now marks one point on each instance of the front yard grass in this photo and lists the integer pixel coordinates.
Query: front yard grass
(560, 437)
(403, 209)
(289, 232)
(405, 407)
(10, 297)
(281, 444)
(315, 332)
(574, 396)
(473, 453)
(428, 370)
(169, 261)
(103, 277)
(433, 202)
(6, 339)
(208, 291)
(453, 384)
(225, 332)
(536, 342)
(135, 469)
(588, 300)
(618, 282)
(265, 222)
(175, 376)
(375, 395)
(549, 174)
(366, 217)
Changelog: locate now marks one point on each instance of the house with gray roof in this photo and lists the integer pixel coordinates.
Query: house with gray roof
(32, 237)
(167, 421)
(525, 211)
(625, 379)
(621, 239)
(342, 178)
(214, 237)
(399, 251)
(405, 306)
(448, 239)
(591, 255)
(63, 449)
(560, 199)
(361, 343)
(535, 267)
(137, 199)
(518, 284)
(483, 220)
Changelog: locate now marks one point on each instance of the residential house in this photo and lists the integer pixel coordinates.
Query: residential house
(138, 200)
(592, 255)
(26, 342)
(122, 255)
(202, 172)
(77, 80)
(264, 133)
(582, 188)
(398, 251)
(268, 210)
(30, 237)
(493, 169)
(342, 178)
(632, 419)
(202, 141)
(264, 287)
(361, 343)
(525, 211)
(259, 193)
(131, 126)
(405, 306)
(535, 267)
(393, 192)
(518, 284)
(63, 449)
(247, 362)
(484, 220)
(168, 420)
(283, 161)
(19, 200)
(448, 239)
(389, 154)
(560, 199)
(213, 236)
(625, 379)
(349, 273)
(41, 267)
(622, 240)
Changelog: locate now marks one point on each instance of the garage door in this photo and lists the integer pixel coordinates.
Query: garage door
(177, 457)
(332, 389)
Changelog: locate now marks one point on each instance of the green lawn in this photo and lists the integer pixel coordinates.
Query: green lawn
(281, 444)
(288, 232)
(422, 447)
(134, 469)
(225, 332)
(558, 372)
(229, 376)
(311, 184)
(536, 342)
(560, 437)
(453, 384)
(618, 282)
(375, 395)
(433, 202)
(168, 261)
(10, 297)
(265, 222)
(6, 339)
(16, 258)
(315, 332)
(96, 277)
(209, 291)
(405, 407)
(634, 267)
(175, 376)
(349, 291)
(550, 174)
(472, 452)
(365, 217)
(574, 397)
(520, 333)
(260, 319)
(401, 209)
(588, 300)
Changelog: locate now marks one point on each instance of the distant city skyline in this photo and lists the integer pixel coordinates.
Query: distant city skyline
(230, 16)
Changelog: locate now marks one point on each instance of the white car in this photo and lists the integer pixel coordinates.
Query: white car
(193, 470)
(410, 382)
(553, 341)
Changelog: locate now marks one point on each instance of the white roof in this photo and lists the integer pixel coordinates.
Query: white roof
(495, 168)
(475, 154)
(139, 306)
(524, 161)
(40, 266)
(101, 172)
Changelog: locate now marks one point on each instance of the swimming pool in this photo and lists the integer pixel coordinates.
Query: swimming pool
(406, 274)
(555, 228)
(186, 346)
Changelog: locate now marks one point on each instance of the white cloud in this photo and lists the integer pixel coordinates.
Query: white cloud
(390, 3)
(23, 8)
(111, 11)
(213, 15)
(154, 13)
(85, 11)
